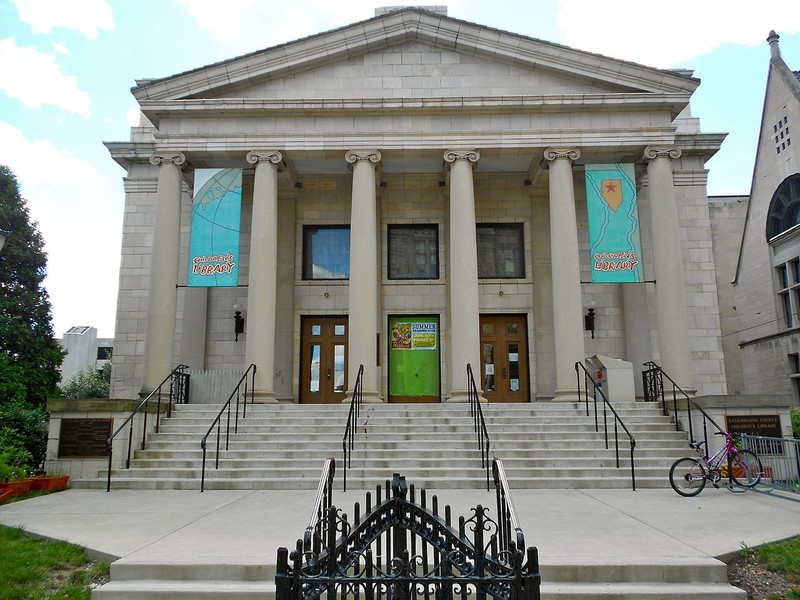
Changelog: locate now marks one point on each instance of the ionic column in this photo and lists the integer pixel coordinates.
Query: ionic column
(162, 298)
(462, 255)
(566, 272)
(263, 272)
(363, 324)
(673, 332)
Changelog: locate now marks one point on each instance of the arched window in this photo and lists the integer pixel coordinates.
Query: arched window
(784, 208)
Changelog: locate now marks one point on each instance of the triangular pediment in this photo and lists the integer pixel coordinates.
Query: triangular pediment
(415, 53)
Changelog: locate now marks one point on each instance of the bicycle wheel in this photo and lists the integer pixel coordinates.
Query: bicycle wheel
(687, 477)
(745, 468)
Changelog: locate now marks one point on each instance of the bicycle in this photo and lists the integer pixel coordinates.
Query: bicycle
(688, 476)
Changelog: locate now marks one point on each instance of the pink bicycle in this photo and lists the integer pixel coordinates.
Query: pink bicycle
(688, 476)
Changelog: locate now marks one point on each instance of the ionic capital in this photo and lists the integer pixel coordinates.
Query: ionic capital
(169, 158)
(652, 152)
(551, 154)
(452, 156)
(354, 156)
(258, 156)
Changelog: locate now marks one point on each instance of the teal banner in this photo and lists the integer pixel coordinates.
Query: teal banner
(216, 219)
(614, 242)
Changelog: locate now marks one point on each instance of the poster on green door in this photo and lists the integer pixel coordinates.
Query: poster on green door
(414, 356)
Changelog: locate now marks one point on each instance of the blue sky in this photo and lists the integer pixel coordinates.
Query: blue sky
(67, 66)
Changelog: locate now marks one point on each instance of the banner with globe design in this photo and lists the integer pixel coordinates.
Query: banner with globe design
(216, 224)
(614, 241)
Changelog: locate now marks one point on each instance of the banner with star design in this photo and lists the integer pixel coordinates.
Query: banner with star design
(615, 248)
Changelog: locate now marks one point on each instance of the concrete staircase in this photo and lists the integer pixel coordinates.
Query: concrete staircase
(543, 445)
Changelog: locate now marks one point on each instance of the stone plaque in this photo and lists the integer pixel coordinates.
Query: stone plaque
(84, 438)
(761, 425)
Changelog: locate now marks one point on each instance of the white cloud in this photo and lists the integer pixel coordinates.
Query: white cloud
(79, 214)
(88, 17)
(251, 25)
(669, 34)
(35, 79)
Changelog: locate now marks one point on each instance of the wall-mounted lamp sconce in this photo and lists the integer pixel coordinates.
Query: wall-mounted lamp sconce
(588, 318)
(238, 322)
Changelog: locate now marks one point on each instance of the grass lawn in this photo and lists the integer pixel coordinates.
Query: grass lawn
(38, 569)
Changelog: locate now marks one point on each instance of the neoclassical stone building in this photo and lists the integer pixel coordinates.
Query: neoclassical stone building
(415, 198)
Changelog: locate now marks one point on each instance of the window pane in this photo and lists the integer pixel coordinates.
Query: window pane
(313, 384)
(787, 309)
(413, 251)
(338, 368)
(501, 251)
(326, 252)
(783, 276)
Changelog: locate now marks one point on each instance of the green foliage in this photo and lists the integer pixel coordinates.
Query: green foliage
(88, 383)
(26, 330)
(784, 557)
(23, 434)
(43, 569)
(795, 415)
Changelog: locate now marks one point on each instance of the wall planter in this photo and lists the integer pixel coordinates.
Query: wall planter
(17, 488)
(49, 483)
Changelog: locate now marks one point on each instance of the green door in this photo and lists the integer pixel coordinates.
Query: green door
(414, 358)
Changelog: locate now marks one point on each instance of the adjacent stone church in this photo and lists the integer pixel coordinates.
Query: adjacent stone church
(416, 194)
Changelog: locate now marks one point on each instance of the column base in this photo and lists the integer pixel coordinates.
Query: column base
(568, 395)
(456, 396)
(264, 397)
(368, 397)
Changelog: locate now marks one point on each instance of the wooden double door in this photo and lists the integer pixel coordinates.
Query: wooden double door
(504, 358)
(323, 359)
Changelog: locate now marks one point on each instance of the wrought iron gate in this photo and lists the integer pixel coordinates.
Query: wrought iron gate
(403, 550)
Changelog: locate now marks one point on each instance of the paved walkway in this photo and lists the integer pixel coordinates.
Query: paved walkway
(574, 526)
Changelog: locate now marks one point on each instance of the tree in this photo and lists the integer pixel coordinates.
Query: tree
(27, 343)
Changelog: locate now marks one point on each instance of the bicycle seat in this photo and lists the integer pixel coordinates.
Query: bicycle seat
(696, 445)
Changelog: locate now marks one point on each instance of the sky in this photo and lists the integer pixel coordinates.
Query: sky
(67, 66)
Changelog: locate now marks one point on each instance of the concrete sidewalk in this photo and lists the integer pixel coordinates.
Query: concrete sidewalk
(575, 526)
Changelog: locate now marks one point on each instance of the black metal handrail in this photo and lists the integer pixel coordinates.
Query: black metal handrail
(317, 529)
(506, 513)
(178, 393)
(238, 393)
(479, 424)
(598, 391)
(653, 379)
(348, 439)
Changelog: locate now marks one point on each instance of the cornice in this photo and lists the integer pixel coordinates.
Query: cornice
(242, 107)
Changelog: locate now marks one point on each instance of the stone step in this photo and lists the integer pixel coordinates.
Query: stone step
(636, 591)
(444, 446)
(607, 481)
(179, 589)
(392, 463)
(663, 581)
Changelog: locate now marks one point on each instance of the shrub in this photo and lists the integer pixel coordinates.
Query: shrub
(88, 383)
(15, 460)
(23, 434)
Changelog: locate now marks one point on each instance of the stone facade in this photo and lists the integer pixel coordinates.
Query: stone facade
(766, 281)
(466, 126)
